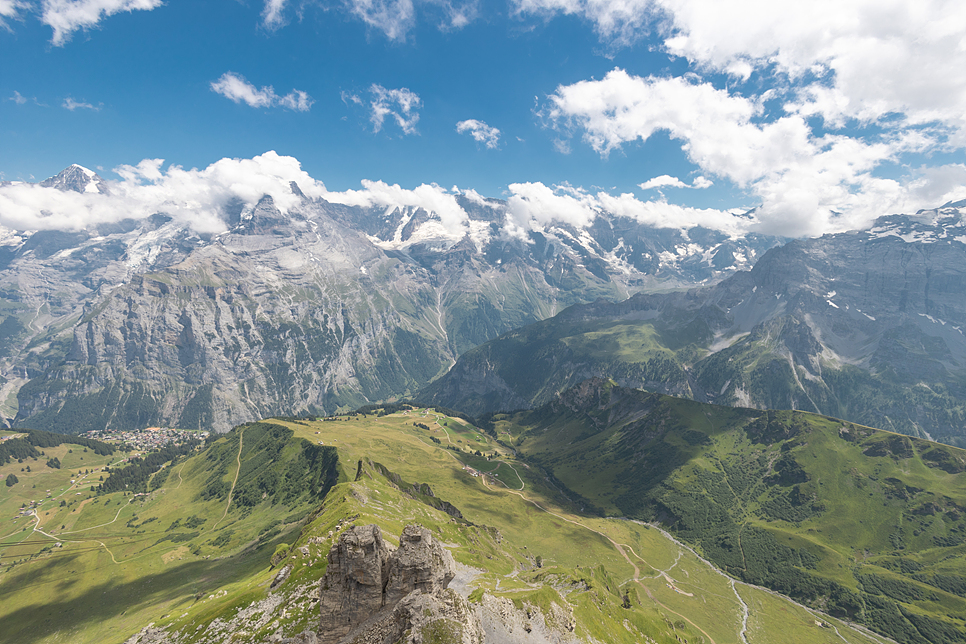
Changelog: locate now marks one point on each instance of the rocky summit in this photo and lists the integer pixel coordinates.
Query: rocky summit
(375, 594)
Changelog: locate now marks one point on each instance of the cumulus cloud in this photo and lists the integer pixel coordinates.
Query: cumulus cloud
(197, 199)
(235, 87)
(429, 197)
(667, 181)
(194, 198)
(663, 181)
(67, 16)
(72, 104)
(480, 131)
(18, 98)
(534, 206)
(401, 105)
(901, 57)
(807, 183)
(702, 183)
(840, 59)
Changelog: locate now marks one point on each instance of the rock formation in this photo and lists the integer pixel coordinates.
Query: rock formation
(374, 594)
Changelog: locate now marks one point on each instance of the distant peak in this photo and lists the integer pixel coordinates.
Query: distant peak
(76, 178)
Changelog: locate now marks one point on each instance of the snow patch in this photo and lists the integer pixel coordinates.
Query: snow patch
(932, 319)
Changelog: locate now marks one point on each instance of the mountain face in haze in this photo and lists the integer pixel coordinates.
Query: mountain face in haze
(867, 326)
(145, 322)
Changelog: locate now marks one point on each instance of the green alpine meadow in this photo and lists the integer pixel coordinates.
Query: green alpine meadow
(219, 545)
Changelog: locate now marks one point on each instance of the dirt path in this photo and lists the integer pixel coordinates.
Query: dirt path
(231, 492)
(180, 480)
(522, 484)
(103, 524)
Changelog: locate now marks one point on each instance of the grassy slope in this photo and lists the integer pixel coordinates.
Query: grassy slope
(857, 501)
(126, 559)
(593, 561)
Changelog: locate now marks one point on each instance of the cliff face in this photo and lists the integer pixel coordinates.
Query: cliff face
(373, 594)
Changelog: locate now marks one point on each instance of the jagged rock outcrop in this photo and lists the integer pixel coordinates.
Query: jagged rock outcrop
(352, 589)
(374, 594)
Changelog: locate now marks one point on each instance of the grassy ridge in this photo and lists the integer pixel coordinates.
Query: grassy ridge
(623, 581)
(865, 524)
(126, 559)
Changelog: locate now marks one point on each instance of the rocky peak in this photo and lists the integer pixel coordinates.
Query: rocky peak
(76, 178)
(374, 594)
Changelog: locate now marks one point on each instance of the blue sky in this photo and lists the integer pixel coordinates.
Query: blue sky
(820, 116)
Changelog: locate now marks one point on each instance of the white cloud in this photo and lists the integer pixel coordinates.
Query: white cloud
(235, 87)
(296, 100)
(197, 199)
(429, 197)
(806, 183)
(663, 181)
(18, 98)
(455, 16)
(71, 104)
(194, 198)
(667, 181)
(881, 58)
(400, 104)
(483, 133)
(272, 14)
(872, 59)
(702, 183)
(617, 22)
(67, 16)
(10, 10)
(534, 206)
(392, 17)
(396, 18)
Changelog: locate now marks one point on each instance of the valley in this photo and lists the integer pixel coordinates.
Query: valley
(519, 538)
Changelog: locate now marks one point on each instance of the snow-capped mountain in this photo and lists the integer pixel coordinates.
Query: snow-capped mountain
(78, 179)
(144, 321)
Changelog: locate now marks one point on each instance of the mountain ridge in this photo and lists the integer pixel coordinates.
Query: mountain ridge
(321, 307)
(865, 326)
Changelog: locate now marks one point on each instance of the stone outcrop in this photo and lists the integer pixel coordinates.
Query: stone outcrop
(374, 594)
(352, 589)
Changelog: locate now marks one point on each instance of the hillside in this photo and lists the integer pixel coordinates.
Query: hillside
(865, 326)
(866, 524)
(206, 554)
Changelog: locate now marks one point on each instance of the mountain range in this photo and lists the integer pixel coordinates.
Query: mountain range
(144, 322)
(867, 326)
